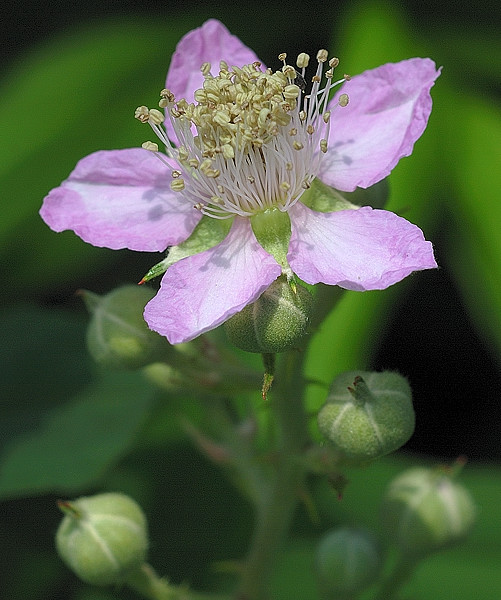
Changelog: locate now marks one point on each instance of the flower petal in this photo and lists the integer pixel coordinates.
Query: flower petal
(121, 199)
(210, 43)
(387, 112)
(202, 291)
(362, 249)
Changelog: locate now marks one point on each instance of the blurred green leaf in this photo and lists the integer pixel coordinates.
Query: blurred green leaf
(76, 442)
(474, 243)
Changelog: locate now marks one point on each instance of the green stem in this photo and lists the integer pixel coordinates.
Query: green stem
(279, 499)
(401, 573)
(146, 582)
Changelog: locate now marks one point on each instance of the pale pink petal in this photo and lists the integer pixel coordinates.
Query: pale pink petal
(211, 43)
(121, 199)
(362, 249)
(202, 291)
(387, 112)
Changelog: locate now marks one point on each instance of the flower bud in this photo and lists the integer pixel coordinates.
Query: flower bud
(102, 538)
(275, 322)
(117, 336)
(367, 415)
(425, 510)
(347, 561)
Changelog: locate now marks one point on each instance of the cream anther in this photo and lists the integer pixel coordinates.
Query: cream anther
(343, 100)
(151, 146)
(167, 94)
(333, 62)
(291, 91)
(302, 60)
(177, 185)
(322, 56)
(142, 114)
(156, 117)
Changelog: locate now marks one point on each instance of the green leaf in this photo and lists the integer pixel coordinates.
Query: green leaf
(473, 246)
(74, 444)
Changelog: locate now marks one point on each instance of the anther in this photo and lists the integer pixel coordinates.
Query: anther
(322, 56)
(343, 100)
(156, 117)
(205, 68)
(142, 114)
(302, 60)
(177, 185)
(167, 94)
(323, 146)
(291, 92)
(333, 63)
(151, 146)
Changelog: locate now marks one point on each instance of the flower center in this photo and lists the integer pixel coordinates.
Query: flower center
(251, 141)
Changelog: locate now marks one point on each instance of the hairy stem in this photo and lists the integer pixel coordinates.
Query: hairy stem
(279, 498)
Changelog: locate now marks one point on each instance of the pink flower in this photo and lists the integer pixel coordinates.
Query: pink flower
(235, 193)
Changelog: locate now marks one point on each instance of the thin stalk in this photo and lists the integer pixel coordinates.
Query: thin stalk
(401, 573)
(279, 499)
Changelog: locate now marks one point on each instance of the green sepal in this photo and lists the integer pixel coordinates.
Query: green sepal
(323, 198)
(208, 233)
(272, 229)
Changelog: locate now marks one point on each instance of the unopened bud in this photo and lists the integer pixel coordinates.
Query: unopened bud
(102, 538)
(367, 415)
(117, 336)
(347, 561)
(275, 322)
(425, 510)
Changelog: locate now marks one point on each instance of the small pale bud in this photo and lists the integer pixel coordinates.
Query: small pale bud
(275, 322)
(367, 415)
(425, 510)
(102, 538)
(117, 336)
(347, 561)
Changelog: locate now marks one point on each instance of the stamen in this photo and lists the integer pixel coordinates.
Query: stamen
(251, 140)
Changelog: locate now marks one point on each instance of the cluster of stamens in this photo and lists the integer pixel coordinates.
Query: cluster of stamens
(252, 140)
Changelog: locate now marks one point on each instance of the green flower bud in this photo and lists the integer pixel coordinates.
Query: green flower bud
(425, 510)
(347, 561)
(367, 415)
(275, 322)
(102, 538)
(117, 336)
